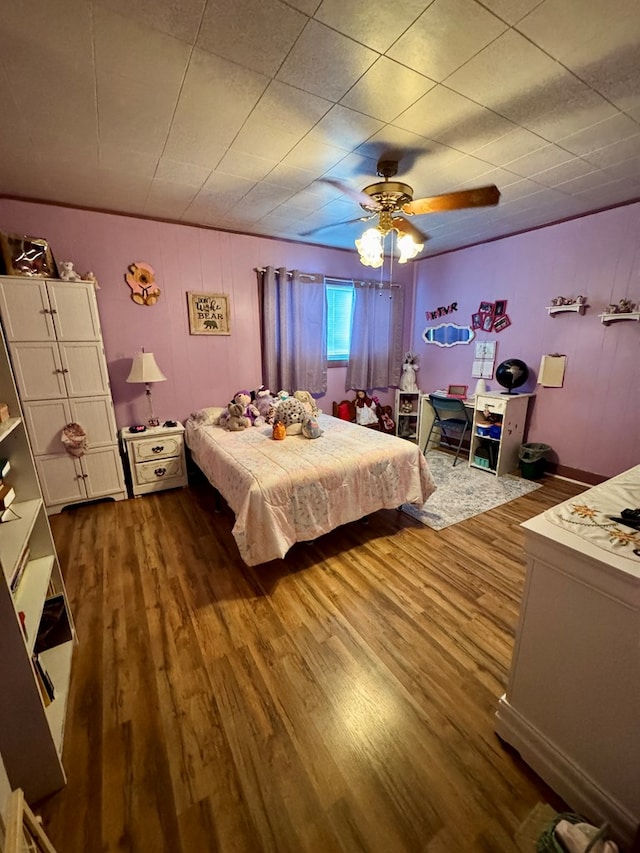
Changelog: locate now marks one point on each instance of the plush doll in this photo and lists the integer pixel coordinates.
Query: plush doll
(243, 398)
(409, 368)
(67, 272)
(308, 402)
(236, 420)
(365, 409)
(282, 395)
(265, 404)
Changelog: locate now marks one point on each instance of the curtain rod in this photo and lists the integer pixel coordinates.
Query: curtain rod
(356, 282)
(311, 276)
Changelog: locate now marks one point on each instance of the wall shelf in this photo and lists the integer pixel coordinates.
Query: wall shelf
(561, 309)
(614, 318)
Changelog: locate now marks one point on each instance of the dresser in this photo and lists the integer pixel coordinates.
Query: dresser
(53, 333)
(572, 704)
(156, 458)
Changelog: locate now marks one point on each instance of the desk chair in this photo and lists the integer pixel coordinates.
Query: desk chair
(453, 420)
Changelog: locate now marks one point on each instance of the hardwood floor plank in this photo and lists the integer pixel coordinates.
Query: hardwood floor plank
(341, 699)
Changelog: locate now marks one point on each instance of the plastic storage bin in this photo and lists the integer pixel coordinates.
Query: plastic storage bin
(533, 460)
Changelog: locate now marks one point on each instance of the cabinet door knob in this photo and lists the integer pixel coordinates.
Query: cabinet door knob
(160, 472)
(157, 449)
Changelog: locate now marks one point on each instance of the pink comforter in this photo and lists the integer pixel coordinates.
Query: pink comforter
(295, 490)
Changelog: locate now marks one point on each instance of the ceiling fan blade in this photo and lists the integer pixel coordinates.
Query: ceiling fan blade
(480, 197)
(357, 195)
(404, 227)
(335, 225)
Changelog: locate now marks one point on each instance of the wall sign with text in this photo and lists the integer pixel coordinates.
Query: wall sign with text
(208, 313)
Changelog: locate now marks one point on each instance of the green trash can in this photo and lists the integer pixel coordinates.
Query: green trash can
(532, 460)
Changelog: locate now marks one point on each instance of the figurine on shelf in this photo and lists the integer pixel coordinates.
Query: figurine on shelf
(626, 306)
(409, 368)
(67, 272)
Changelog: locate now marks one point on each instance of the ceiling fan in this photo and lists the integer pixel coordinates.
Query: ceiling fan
(392, 201)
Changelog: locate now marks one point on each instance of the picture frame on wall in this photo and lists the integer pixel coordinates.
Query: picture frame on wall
(27, 256)
(208, 313)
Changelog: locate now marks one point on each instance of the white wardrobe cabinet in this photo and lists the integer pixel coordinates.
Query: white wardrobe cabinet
(55, 343)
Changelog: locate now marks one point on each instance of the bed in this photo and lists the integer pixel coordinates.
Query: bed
(295, 490)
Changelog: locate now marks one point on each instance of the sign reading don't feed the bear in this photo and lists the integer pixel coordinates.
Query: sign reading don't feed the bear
(208, 313)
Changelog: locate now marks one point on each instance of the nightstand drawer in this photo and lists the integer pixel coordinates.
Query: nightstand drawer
(493, 404)
(161, 447)
(158, 471)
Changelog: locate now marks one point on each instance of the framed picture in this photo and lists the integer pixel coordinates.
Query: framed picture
(476, 321)
(486, 308)
(27, 256)
(208, 313)
(501, 323)
(487, 322)
(500, 307)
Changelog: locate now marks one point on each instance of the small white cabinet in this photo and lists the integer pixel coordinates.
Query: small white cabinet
(55, 343)
(156, 458)
(498, 452)
(408, 415)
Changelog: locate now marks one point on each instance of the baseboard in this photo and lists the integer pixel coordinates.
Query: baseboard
(568, 780)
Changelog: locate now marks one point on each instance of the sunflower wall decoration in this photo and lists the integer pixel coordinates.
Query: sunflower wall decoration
(141, 279)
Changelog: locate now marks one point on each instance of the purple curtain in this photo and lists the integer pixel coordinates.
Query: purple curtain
(375, 357)
(293, 326)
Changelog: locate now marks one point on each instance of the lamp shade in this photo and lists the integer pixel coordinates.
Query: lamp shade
(145, 369)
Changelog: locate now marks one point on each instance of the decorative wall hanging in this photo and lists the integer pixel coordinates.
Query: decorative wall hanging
(441, 311)
(484, 360)
(27, 256)
(561, 304)
(491, 316)
(141, 278)
(208, 313)
(448, 335)
(501, 323)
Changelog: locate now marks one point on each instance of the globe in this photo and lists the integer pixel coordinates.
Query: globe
(511, 374)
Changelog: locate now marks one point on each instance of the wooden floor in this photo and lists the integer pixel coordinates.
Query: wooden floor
(339, 700)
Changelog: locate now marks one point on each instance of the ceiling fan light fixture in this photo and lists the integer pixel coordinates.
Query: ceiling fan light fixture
(408, 248)
(371, 248)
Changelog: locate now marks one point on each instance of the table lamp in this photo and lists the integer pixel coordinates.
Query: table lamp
(145, 370)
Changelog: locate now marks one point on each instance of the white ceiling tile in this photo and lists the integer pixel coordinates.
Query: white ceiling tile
(325, 63)
(538, 161)
(607, 132)
(516, 143)
(610, 155)
(180, 20)
(446, 36)
(596, 178)
(314, 156)
(245, 165)
(142, 119)
(627, 169)
(122, 159)
(244, 29)
(354, 168)
(187, 175)
(216, 99)
(344, 128)
(564, 172)
(291, 177)
(376, 23)
(306, 6)
(371, 94)
(570, 107)
(46, 38)
(453, 120)
(264, 143)
(510, 11)
(393, 143)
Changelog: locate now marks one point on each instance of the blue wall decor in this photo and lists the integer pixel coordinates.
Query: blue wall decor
(448, 335)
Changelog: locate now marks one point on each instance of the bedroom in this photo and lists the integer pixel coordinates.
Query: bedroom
(591, 423)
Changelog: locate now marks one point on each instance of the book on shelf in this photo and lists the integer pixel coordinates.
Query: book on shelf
(44, 682)
(19, 569)
(54, 626)
(7, 496)
(5, 467)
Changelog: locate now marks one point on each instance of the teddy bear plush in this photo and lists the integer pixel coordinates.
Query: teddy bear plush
(243, 398)
(292, 414)
(67, 272)
(236, 420)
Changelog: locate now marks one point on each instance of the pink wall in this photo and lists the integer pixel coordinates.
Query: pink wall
(201, 370)
(593, 422)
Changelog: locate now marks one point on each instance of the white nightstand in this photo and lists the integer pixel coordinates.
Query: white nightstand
(156, 458)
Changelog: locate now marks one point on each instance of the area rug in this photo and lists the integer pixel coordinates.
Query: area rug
(464, 492)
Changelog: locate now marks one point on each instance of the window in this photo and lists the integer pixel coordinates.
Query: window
(339, 312)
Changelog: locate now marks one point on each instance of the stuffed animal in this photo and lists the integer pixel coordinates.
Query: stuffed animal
(265, 404)
(307, 401)
(365, 409)
(236, 420)
(282, 395)
(292, 414)
(311, 428)
(243, 398)
(67, 272)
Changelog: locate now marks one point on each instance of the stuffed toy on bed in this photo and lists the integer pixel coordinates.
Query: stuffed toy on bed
(243, 398)
(292, 414)
(308, 402)
(236, 420)
(265, 404)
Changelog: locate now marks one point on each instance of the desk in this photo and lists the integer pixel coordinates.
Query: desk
(427, 415)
